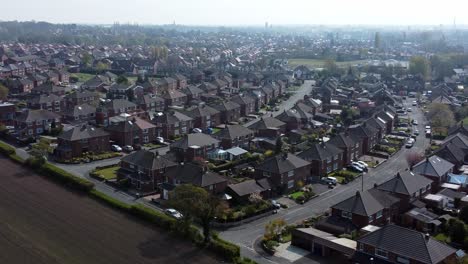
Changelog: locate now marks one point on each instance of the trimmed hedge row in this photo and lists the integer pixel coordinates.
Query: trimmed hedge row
(65, 177)
(224, 248)
(106, 199)
(7, 149)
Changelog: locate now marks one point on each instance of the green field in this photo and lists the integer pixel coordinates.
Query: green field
(82, 77)
(314, 63)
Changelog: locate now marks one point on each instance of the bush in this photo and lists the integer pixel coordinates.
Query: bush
(114, 203)
(6, 149)
(67, 178)
(224, 249)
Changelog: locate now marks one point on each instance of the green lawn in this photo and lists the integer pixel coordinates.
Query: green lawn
(465, 121)
(442, 237)
(216, 130)
(314, 63)
(152, 145)
(109, 173)
(296, 194)
(82, 77)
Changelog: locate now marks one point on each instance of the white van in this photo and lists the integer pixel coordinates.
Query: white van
(329, 180)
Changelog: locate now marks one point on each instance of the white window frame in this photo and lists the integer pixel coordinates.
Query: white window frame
(378, 250)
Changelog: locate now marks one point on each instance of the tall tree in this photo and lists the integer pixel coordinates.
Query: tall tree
(420, 65)
(440, 115)
(3, 92)
(122, 80)
(196, 202)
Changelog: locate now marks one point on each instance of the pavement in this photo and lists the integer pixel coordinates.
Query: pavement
(246, 235)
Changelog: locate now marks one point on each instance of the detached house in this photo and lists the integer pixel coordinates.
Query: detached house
(81, 139)
(284, 171)
(145, 170)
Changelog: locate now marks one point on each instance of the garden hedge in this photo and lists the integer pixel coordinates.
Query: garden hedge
(65, 177)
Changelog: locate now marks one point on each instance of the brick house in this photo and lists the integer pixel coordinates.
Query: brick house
(204, 116)
(133, 132)
(284, 171)
(247, 104)
(268, 127)
(192, 92)
(351, 147)
(50, 102)
(84, 113)
(150, 103)
(324, 158)
(235, 136)
(194, 146)
(172, 124)
(81, 139)
(395, 244)
(190, 173)
(434, 168)
(229, 111)
(145, 170)
(33, 123)
(181, 81)
(81, 97)
(7, 114)
(367, 135)
(174, 98)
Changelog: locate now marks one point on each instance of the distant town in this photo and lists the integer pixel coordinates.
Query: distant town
(237, 145)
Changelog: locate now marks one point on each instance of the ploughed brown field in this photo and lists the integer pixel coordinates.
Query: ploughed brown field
(41, 222)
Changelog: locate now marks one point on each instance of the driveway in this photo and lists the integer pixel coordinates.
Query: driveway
(246, 234)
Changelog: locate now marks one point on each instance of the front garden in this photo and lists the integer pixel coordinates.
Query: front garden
(109, 173)
(303, 195)
(89, 157)
(344, 176)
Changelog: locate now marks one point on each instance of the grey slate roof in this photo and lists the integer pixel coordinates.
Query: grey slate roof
(246, 188)
(233, 131)
(148, 160)
(196, 139)
(189, 173)
(408, 243)
(320, 151)
(405, 183)
(267, 122)
(366, 203)
(282, 163)
(433, 166)
(342, 140)
(82, 132)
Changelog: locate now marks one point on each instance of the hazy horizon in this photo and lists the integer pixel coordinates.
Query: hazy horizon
(240, 12)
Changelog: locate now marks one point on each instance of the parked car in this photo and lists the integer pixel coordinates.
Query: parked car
(116, 148)
(409, 109)
(197, 130)
(415, 103)
(416, 132)
(357, 164)
(355, 168)
(415, 122)
(174, 213)
(276, 204)
(410, 143)
(160, 140)
(127, 148)
(427, 127)
(363, 163)
(329, 180)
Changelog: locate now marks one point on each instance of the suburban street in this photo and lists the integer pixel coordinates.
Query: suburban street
(246, 235)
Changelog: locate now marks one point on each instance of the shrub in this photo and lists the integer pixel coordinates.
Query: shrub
(6, 149)
(109, 200)
(271, 244)
(155, 217)
(224, 249)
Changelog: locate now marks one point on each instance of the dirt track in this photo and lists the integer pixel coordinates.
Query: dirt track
(41, 222)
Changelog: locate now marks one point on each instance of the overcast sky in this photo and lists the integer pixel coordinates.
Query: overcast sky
(238, 12)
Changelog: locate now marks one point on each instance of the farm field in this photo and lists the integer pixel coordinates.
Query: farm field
(313, 63)
(41, 222)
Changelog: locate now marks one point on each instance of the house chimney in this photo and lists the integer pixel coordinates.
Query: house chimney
(375, 185)
(398, 175)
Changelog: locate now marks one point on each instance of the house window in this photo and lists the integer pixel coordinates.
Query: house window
(290, 173)
(361, 247)
(176, 124)
(402, 260)
(371, 218)
(381, 253)
(290, 184)
(39, 130)
(379, 214)
(30, 131)
(347, 215)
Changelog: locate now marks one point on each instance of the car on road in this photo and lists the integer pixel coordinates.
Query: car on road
(329, 180)
(276, 108)
(427, 127)
(416, 132)
(409, 110)
(160, 140)
(410, 143)
(415, 103)
(428, 132)
(415, 122)
(174, 213)
(128, 148)
(197, 130)
(116, 148)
